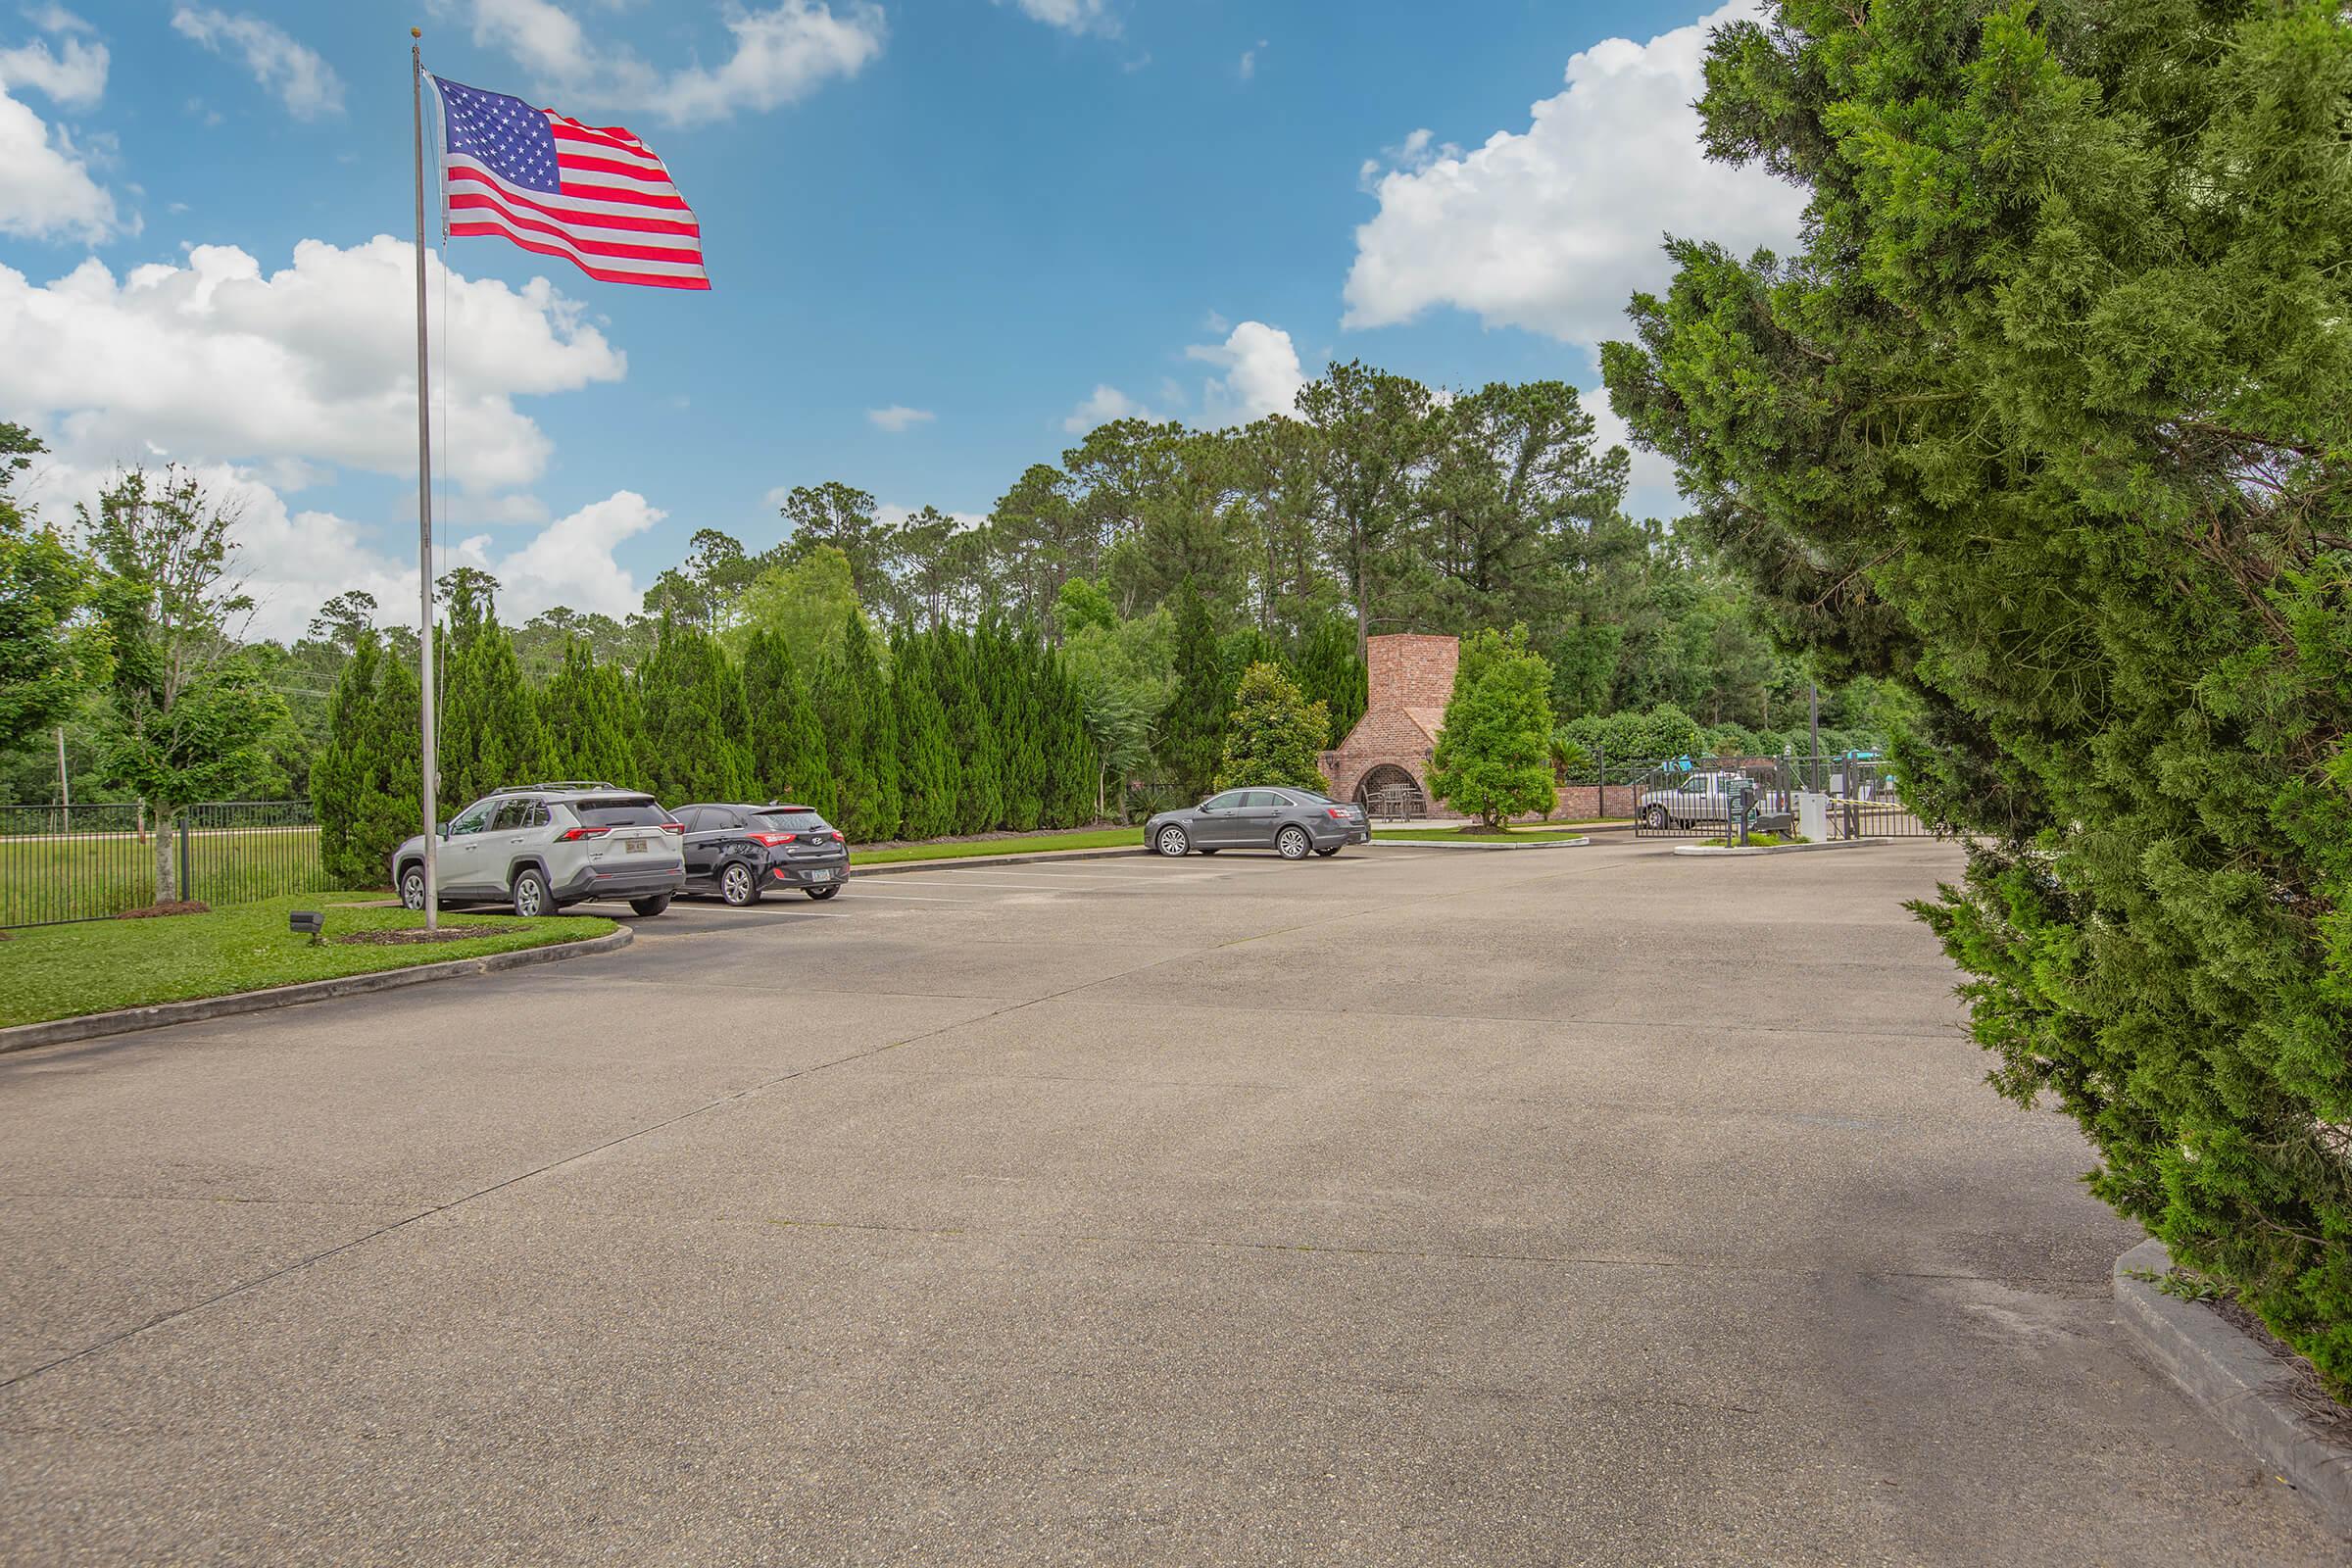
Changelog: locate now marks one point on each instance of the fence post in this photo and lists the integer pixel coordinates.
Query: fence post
(186, 816)
(1600, 781)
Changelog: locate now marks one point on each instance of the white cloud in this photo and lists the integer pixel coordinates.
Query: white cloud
(892, 516)
(314, 362)
(56, 19)
(569, 561)
(1071, 16)
(73, 77)
(1248, 68)
(292, 70)
(780, 54)
(1553, 228)
(1649, 490)
(898, 417)
(1261, 375)
(291, 562)
(46, 191)
(1102, 405)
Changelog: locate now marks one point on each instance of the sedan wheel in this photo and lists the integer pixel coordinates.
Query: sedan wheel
(412, 888)
(1172, 841)
(1293, 842)
(738, 886)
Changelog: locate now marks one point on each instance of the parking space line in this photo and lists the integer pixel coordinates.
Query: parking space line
(919, 898)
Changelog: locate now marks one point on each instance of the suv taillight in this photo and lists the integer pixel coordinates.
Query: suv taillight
(673, 827)
(570, 833)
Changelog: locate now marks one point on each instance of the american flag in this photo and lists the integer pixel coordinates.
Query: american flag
(591, 194)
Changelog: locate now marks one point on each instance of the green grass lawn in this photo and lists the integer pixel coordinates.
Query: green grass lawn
(1093, 838)
(1541, 833)
(61, 971)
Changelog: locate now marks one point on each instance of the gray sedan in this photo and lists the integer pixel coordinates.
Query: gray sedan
(1291, 822)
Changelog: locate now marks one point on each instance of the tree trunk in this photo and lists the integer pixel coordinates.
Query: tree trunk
(167, 883)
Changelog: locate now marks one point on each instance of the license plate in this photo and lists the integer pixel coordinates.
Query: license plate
(632, 845)
(820, 877)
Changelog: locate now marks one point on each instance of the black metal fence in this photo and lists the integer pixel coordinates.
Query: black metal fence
(88, 862)
(1815, 798)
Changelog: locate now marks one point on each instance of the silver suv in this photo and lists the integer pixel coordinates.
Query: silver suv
(539, 846)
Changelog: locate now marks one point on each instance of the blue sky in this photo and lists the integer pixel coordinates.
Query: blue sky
(1004, 217)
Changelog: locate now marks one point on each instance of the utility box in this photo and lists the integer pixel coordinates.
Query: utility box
(1813, 815)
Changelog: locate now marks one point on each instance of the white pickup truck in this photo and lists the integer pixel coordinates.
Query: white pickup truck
(1700, 798)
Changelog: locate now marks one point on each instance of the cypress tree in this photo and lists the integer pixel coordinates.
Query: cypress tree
(1017, 720)
(364, 785)
(490, 731)
(980, 783)
(694, 744)
(927, 768)
(589, 724)
(338, 775)
(1192, 733)
(788, 745)
(863, 738)
(1071, 764)
(1330, 671)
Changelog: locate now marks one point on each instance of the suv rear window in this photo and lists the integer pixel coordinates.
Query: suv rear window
(621, 813)
(790, 822)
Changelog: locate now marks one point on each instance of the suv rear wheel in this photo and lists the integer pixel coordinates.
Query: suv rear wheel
(530, 894)
(737, 885)
(412, 886)
(653, 905)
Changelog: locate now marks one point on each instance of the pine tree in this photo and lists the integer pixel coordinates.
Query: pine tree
(491, 735)
(928, 776)
(1192, 733)
(789, 760)
(979, 748)
(590, 724)
(1274, 735)
(694, 741)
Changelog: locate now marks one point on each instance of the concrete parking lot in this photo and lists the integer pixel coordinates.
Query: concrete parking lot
(1582, 1206)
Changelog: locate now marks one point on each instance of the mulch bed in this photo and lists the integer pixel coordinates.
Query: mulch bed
(402, 939)
(176, 907)
(2298, 1382)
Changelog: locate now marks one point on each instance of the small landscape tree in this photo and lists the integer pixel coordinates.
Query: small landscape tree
(1494, 753)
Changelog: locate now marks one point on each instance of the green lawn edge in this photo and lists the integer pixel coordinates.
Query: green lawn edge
(1096, 838)
(1517, 835)
(68, 971)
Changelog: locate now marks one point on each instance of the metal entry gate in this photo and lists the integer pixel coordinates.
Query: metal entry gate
(1837, 797)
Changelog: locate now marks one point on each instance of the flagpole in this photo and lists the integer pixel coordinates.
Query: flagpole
(424, 516)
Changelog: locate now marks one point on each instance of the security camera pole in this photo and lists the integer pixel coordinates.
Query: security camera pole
(424, 516)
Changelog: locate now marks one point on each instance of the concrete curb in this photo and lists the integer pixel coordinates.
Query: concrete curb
(1776, 849)
(95, 1025)
(1459, 843)
(2239, 1380)
(896, 867)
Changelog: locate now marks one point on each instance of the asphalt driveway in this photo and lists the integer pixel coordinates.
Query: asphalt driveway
(1413, 1207)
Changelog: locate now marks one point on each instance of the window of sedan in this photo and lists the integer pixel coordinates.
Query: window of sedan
(1231, 800)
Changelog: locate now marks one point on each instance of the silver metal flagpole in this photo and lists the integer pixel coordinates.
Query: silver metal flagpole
(424, 516)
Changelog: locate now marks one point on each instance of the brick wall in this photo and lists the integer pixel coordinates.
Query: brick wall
(1579, 802)
(1411, 671)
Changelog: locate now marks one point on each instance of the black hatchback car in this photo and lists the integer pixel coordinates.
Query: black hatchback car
(740, 852)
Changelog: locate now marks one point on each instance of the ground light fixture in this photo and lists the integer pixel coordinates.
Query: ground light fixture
(309, 921)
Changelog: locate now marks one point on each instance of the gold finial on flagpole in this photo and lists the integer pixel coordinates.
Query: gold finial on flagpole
(415, 32)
